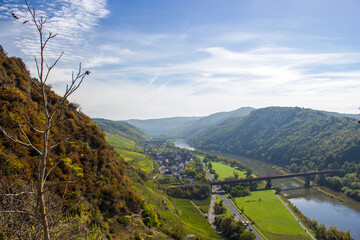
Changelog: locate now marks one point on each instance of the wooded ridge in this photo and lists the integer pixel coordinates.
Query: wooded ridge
(301, 139)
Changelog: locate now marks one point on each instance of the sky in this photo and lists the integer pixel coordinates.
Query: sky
(167, 58)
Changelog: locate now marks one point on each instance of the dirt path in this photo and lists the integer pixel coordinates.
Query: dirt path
(211, 214)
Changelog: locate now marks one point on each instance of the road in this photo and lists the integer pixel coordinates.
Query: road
(228, 204)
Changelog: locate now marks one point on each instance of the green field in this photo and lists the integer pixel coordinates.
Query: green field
(271, 216)
(194, 222)
(203, 205)
(225, 170)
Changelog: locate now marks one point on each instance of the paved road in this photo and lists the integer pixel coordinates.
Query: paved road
(228, 204)
(237, 215)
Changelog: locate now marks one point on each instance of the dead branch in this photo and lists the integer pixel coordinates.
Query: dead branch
(9, 136)
(15, 194)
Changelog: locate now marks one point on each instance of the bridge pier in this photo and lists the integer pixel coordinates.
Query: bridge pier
(307, 181)
(268, 183)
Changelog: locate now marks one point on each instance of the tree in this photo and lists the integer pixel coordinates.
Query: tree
(236, 174)
(44, 206)
(249, 172)
(219, 208)
(278, 190)
(247, 235)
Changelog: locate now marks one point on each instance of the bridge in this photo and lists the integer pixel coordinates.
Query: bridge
(307, 176)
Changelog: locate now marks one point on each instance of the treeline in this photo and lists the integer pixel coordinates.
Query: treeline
(198, 192)
(348, 181)
(321, 232)
(301, 139)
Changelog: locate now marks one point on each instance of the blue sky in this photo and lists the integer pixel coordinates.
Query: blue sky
(153, 59)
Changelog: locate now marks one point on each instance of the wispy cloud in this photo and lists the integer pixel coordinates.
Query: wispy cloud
(202, 68)
(73, 21)
(255, 77)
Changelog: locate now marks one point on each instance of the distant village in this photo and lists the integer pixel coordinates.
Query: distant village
(171, 162)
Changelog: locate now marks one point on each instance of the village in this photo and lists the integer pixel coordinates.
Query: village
(172, 161)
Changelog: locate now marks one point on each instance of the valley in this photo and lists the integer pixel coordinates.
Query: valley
(131, 182)
(314, 204)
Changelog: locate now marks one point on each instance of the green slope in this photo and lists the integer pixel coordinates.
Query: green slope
(126, 140)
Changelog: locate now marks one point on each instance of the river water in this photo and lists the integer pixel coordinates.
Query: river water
(314, 204)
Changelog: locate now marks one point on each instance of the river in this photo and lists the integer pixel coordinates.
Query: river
(314, 204)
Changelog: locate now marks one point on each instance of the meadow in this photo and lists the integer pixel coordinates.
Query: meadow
(193, 221)
(203, 205)
(271, 216)
(225, 170)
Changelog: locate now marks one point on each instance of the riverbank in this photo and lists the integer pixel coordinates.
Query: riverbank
(312, 203)
(280, 169)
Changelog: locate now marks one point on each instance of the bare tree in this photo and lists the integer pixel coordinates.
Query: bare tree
(39, 193)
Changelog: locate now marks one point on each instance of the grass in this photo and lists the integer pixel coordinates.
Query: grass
(194, 222)
(204, 205)
(225, 170)
(271, 216)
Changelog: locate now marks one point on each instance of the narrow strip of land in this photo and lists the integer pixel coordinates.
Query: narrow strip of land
(305, 229)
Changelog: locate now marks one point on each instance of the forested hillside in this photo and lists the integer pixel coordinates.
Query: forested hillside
(301, 139)
(184, 127)
(84, 181)
(213, 119)
(163, 126)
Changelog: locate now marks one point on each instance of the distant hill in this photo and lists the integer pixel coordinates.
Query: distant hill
(184, 127)
(301, 139)
(286, 135)
(335, 114)
(122, 129)
(213, 119)
(163, 126)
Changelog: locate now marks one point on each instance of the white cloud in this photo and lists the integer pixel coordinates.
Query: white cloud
(72, 20)
(145, 75)
(258, 77)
